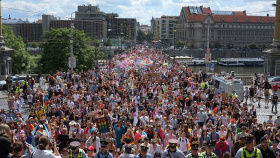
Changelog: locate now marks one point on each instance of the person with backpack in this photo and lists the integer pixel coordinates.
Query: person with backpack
(183, 143)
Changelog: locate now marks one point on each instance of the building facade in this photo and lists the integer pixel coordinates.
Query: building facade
(92, 29)
(95, 23)
(30, 32)
(167, 27)
(155, 28)
(126, 28)
(228, 27)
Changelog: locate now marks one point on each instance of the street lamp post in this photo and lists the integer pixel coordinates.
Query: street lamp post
(174, 31)
(71, 42)
(121, 40)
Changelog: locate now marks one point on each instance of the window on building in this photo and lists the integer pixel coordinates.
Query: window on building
(248, 20)
(163, 21)
(223, 19)
(235, 20)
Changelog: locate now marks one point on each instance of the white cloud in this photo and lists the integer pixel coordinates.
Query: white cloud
(142, 10)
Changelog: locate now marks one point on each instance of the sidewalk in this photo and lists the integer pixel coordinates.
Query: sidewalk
(3, 94)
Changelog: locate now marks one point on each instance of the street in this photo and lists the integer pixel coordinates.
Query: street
(262, 113)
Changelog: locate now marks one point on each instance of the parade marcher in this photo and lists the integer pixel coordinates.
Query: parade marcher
(143, 152)
(75, 150)
(249, 150)
(103, 152)
(194, 151)
(266, 151)
(237, 145)
(274, 100)
(172, 151)
(127, 153)
(209, 151)
(44, 152)
(221, 147)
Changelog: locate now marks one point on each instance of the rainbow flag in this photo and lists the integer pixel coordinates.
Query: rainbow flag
(125, 137)
(120, 89)
(40, 133)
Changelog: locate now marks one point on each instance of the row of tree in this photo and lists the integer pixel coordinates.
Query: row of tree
(56, 45)
(141, 36)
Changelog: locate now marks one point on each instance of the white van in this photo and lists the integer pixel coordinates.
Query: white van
(228, 84)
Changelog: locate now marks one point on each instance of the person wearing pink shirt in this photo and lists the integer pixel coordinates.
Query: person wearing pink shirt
(169, 135)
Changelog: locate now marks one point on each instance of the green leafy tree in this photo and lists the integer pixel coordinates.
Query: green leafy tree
(230, 45)
(191, 44)
(34, 45)
(262, 46)
(56, 45)
(150, 37)
(141, 36)
(180, 44)
(108, 43)
(21, 58)
(253, 46)
(217, 44)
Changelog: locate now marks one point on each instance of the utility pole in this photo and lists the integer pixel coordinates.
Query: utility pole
(71, 43)
(208, 33)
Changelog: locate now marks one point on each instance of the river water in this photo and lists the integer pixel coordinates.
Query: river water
(237, 70)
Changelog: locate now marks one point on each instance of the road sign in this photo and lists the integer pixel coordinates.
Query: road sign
(208, 50)
(207, 58)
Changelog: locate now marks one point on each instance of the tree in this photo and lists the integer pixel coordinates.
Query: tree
(262, 46)
(21, 58)
(34, 45)
(108, 43)
(253, 46)
(229, 45)
(217, 44)
(149, 37)
(141, 36)
(180, 44)
(56, 45)
(191, 44)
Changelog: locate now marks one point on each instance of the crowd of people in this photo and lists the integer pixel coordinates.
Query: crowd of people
(140, 104)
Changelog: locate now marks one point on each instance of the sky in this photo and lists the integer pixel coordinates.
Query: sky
(142, 10)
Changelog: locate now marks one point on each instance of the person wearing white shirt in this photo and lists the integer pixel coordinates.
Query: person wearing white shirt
(154, 148)
(18, 105)
(222, 132)
(183, 143)
(94, 141)
(70, 104)
(76, 96)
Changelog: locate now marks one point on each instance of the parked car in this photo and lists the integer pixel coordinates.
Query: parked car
(3, 85)
(274, 80)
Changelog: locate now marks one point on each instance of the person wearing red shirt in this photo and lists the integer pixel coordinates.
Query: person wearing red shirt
(275, 88)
